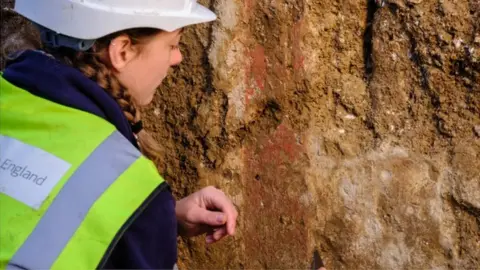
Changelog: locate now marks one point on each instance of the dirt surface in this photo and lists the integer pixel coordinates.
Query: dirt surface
(342, 125)
(348, 126)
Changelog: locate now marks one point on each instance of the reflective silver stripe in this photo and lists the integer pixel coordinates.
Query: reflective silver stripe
(64, 216)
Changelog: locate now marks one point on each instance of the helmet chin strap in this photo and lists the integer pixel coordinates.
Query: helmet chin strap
(55, 40)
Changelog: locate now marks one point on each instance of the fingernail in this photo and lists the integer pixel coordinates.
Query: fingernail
(210, 239)
(220, 218)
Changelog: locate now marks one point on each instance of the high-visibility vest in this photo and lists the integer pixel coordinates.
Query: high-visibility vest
(70, 184)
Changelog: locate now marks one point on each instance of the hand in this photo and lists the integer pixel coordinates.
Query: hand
(206, 211)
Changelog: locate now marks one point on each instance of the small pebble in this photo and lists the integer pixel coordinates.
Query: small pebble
(477, 39)
(457, 43)
(477, 130)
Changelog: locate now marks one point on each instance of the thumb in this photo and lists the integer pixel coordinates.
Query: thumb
(211, 218)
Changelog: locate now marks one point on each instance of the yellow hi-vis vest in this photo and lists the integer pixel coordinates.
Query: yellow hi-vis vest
(70, 184)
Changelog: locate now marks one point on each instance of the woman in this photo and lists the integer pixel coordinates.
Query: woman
(78, 184)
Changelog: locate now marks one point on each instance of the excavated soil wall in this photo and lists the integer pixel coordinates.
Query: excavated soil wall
(348, 126)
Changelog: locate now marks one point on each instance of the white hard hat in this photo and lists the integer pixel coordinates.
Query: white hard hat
(92, 19)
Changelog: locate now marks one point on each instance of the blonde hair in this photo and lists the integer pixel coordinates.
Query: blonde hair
(91, 64)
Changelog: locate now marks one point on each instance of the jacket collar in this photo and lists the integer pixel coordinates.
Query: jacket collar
(46, 77)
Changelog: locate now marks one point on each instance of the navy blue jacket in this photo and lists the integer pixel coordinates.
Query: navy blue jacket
(150, 242)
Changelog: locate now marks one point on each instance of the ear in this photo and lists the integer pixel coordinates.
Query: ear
(121, 51)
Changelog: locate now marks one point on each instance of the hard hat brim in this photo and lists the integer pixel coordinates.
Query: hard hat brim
(85, 22)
